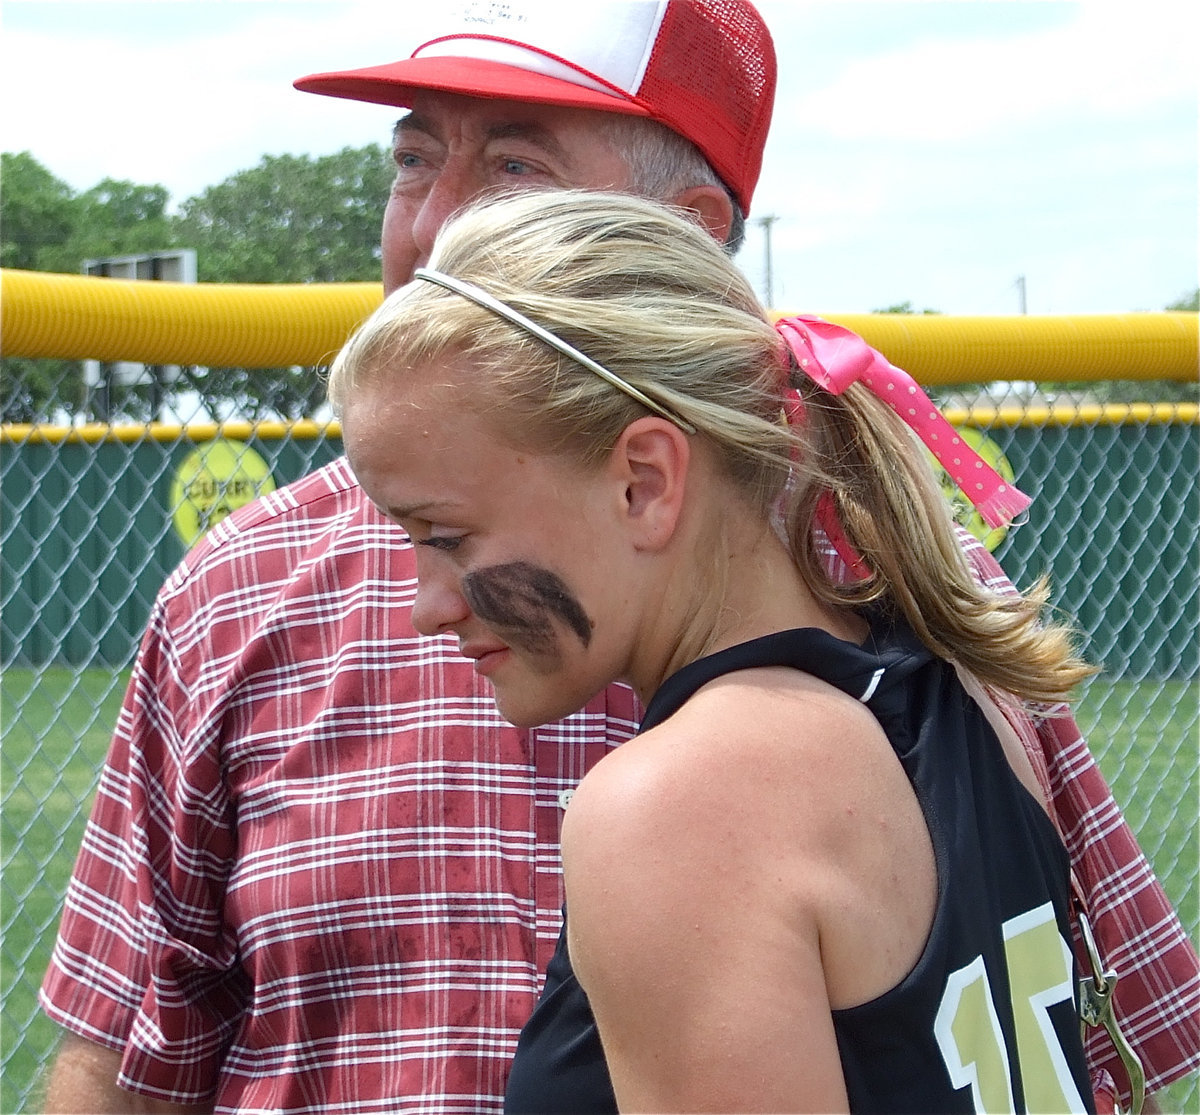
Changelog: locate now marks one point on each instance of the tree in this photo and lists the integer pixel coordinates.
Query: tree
(118, 218)
(292, 219)
(256, 394)
(32, 390)
(904, 308)
(122, 218)
(38, 212)
(1189, 302)
(38, 216)
(46, 226)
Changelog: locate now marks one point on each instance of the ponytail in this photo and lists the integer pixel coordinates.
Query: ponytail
(868, 482)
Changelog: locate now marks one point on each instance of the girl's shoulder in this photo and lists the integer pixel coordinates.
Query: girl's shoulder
(744, 748)
(769, 815)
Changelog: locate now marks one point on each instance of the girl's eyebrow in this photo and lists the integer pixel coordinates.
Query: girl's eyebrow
(410, 511)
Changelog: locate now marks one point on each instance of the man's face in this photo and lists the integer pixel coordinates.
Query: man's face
(451, 149)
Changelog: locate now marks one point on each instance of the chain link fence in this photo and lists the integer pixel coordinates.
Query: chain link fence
(93, 520)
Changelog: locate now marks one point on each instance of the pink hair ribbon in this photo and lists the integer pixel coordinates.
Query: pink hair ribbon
(834, 358)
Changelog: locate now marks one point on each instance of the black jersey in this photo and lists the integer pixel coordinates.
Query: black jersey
(986, 1020)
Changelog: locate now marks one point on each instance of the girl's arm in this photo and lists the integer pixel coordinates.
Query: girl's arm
(701, 954)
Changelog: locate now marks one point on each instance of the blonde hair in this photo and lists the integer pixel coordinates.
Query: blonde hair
(644, 291)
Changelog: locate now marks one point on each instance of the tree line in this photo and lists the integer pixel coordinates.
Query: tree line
(290, 219)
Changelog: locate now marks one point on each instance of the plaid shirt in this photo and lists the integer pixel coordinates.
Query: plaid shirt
(321, 873)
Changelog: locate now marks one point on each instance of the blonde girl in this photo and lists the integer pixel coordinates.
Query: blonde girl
(818, 878)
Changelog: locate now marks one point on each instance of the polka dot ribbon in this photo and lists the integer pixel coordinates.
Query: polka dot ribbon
(834, 358)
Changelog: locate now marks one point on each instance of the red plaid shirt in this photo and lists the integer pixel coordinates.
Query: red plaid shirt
(321, 873)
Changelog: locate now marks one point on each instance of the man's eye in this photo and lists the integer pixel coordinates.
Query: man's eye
(516, 166)
(406, 160)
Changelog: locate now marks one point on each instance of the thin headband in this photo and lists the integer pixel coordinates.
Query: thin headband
(502, 309)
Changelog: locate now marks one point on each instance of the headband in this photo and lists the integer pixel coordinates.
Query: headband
(833, 358)
(502, 309)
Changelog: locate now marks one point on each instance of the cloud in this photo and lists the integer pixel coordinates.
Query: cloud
(1109, 58)
(166, 93)
(921, 151)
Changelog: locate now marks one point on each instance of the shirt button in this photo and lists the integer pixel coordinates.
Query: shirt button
(564, 797)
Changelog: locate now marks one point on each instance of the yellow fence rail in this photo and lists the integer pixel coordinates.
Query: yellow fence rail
(75, 317)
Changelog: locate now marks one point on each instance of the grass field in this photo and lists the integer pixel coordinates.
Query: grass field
(56, 726)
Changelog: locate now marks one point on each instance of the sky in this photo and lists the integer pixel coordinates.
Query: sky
(946, 153)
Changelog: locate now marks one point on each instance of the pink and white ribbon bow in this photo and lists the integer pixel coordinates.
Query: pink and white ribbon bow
(834, 358)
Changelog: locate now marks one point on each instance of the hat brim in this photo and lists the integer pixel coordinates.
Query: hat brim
(399, 83)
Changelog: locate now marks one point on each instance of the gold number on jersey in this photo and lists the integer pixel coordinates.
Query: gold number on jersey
(968, 1030)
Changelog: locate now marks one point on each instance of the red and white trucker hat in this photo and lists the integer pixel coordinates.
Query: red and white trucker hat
(704, 68)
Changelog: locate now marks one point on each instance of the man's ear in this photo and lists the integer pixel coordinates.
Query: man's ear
(650, 462)
(712, 208)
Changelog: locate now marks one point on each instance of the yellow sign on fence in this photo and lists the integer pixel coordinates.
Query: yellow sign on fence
(215, 479)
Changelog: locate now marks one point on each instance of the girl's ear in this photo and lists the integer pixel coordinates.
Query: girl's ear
(650, 462)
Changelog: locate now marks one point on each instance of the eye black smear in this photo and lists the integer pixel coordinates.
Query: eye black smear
(522, 599)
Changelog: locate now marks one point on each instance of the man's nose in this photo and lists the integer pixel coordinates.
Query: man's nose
(454, 187)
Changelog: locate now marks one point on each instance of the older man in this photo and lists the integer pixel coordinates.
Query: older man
(320, 872)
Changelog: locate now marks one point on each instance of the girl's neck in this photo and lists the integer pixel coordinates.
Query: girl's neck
(758, 591)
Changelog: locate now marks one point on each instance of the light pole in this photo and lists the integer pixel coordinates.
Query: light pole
(769, 282)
